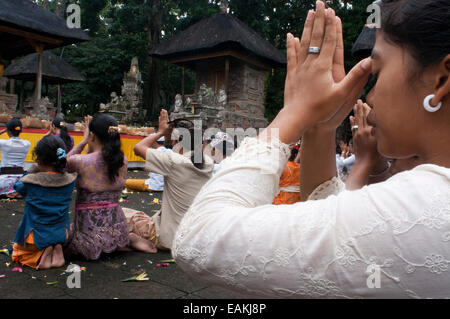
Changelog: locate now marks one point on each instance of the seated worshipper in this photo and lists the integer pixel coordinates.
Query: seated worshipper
(47, 190)
(59, 129)
(100, 226)
(185, 172)
(14, 152)
(155, 183)
(339, 243)
(221, 146)
(290, 182)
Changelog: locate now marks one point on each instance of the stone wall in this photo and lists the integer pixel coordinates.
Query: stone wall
(8, 103)
(245, 98)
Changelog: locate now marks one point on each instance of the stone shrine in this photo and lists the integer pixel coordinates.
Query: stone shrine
(127, 108)
(243, 107)
(230, 61)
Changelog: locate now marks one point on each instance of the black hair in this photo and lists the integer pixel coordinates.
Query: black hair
(46, 152)
(59, 124)
(14, 126)
(421, 26)
(104, 127)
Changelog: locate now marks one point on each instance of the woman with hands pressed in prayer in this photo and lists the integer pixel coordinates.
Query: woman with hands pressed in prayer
(326, 246)
(371, 167)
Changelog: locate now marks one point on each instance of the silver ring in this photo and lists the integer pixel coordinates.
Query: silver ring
(314, 50)
(355, 128)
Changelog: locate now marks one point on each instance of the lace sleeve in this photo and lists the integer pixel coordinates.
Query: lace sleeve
(331, 187)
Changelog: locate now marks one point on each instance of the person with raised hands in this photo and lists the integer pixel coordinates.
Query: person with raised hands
(58, 128)
(338, 243)
(370, 167)
(100, 226)
(185, 171)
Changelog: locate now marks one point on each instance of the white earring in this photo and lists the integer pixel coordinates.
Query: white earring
(427, 105)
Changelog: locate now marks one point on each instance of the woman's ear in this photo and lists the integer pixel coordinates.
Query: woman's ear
(91, 137)
(442, 87)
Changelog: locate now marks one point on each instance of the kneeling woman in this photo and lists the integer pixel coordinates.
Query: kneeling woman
(100, 225)
(47, 190)
(14, 151)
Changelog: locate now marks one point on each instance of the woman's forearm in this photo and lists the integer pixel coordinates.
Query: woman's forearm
(317, 160)
(78, 149)
(359, 176)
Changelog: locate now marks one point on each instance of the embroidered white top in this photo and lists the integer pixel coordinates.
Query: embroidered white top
(340, 244)
(14, 151)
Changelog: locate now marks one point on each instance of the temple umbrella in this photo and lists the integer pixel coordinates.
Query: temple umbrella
(54, 70)
(26, 27)
(366, 41)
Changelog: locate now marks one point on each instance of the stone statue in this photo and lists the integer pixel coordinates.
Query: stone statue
(42, 110)
(3, 108)
(188, 102)
(114, 100)
(205, 95)
(178, 103)
(222, 98)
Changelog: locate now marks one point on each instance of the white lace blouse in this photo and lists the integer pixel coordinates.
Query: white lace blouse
(388, 240)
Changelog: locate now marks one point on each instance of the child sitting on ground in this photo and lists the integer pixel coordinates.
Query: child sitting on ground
(47, 190)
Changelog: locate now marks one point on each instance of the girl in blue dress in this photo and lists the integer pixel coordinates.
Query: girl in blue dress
(47, 190)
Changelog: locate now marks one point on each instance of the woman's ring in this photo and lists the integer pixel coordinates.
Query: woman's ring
(314, 50)
(355, 128)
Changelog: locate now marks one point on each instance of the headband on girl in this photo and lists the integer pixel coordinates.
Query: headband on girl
(61, 153)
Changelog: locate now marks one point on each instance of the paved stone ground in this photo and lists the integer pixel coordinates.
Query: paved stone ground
(102, 279)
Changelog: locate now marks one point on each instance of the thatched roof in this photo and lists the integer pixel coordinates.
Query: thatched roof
(20, 19)
(221, 32)
(364, 44)
(54, 69)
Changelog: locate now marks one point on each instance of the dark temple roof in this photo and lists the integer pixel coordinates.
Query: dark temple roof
(221, 32)
(54, 69)
(20, 19)
(364, 44)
